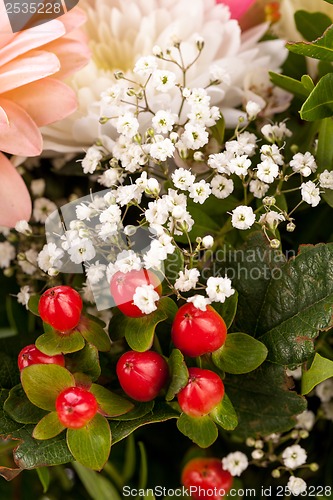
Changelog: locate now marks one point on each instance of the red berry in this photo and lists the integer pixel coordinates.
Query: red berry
(123, 286)
(206, 478)
(61, 307)
(197, 332)
(204, 391)
(142, 374)
(30, 355)
(76, 406)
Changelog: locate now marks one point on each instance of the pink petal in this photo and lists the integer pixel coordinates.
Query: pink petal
(72, 53)
(18, 72)
(46, 101)
(237, 7)
(15, 202)
(21, 136)
(73, 19)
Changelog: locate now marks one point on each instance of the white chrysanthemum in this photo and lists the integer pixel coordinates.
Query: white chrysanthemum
(294, 456)
(120, 33)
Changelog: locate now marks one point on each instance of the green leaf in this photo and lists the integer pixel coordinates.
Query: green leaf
(91, 444)
(7, 332)
(9, 373)
(20, 409)
(320, 370)
(324, 154)
(139, 332)
(311, 25)
(240, 354)
(143, 470)
(94, 333)
(224, 414)
(263, 401)
(297, 305)
(201, 430)
(43, 383)
(322, 48)
(33, 304)
(85, 361)
(178, 372)
(53, 342)
(44, 477)
(111, 404)
(227, 309)
(97, 486)
(160, 413)
(319, 104)
(218, 131)
(289, 84)
(139, 410)
(48, 427)
(307, 83)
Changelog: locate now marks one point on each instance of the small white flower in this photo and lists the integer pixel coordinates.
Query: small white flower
(304, 164)
(29, 265)
(296, 485)
(328, 410)
(163, 121)
(267, 171)
(83, 211)
(207, 241)
(127, 261)
(240, 165)
(7, 253)
(218, 289)
(162, 149)
(157, 212)
(194, 136)
(163, 80)
(296, 374)
(23, 227)
(145, 297)
(112, 95)
(252, 109)
(91, 160)
(200, 191)
(127, 125)
(199, 301)
(182, 178)
(276, 133)
(145, 65)
(236, 463)
(294, 456)
(42, 209)
(95, 272)
(50, 257)
(198, 97)
(324, 390)
(310, 193)
(271, 218)
(187, 279)
(220, 162)
(305, 420)
(258, 188)
(220, 74)
(273, 152)
(110, 177)
(24, 295)
(245, 144)
(326, 179)
(111, 215)
(37, 187)
(243, 217)
(221, 186)
(128, 194)
(81, 250)
(257, 454)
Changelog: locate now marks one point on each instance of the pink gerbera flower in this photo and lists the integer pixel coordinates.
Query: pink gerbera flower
(32, 64)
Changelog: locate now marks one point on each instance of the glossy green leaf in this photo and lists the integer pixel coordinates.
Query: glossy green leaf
(289, 84)
(311, 25)
(298, 305)
(85, 361)
(322, 48)
(98, 486)
(44, 477)
(178, 374)
(20, 409)
(48, 427)
(160, 413)
(319, 104)
(240, 353)
(320, 370)
(9, 373)
(139, 410)
(201, 430)
(33, 304)
(139, 332)
(224, 414)
(91, 444)
(307, 83)
(53, 342)
(43, 383)
(263, 401)
(324, 154)
(227, 309)
(94, 333)
(110, 403)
